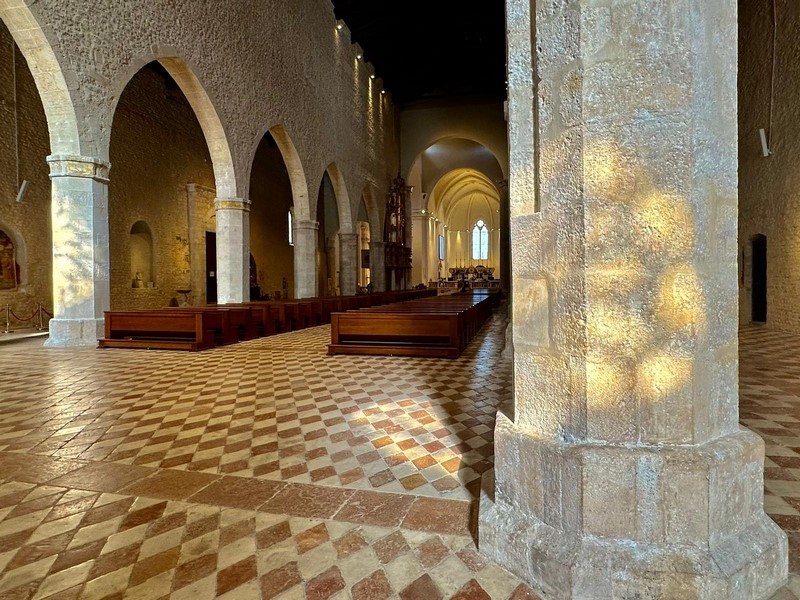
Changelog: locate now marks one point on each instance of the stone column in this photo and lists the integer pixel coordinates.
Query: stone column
(305, 259)
(81, 283)
(624, 473)
(233, 250)
(377, 265)
(419, 250)
(348, 263)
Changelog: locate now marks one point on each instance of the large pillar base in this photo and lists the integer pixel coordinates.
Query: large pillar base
(71, 333)
(598, 522)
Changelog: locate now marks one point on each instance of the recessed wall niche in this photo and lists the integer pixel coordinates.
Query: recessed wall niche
(142, 275)
(9, 269)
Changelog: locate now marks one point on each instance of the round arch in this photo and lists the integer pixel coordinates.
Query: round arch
(62, 123)
(213, 130)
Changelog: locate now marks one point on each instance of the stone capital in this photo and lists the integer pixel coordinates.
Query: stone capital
(308, 225)
(348, 238)
(242, 204)
(82, 167)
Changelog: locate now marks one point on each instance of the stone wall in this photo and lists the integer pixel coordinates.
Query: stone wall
(245, 69)
(254, 64)
(769, 188)
(28, 222)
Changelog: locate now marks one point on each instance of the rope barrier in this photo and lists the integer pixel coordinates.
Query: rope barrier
(37, 314)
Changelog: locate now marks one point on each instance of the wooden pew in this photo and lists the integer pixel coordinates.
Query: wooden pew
(165, 331)
(439, 327)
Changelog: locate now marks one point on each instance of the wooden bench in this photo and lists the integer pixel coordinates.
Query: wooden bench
(436, 327)
(151, 329)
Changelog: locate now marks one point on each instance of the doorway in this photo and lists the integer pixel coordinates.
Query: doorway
(759, 303)
(211, 267)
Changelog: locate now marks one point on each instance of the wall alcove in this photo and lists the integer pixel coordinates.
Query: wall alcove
(142, 271)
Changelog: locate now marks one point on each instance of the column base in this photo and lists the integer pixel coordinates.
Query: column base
(71, 333)
(591, 522)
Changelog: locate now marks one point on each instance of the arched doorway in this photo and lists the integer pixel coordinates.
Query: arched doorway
(759, 279)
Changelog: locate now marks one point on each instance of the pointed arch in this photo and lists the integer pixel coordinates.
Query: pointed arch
(294, 166)
(346, 224)
(202, 105)
(373, 209)
(62, 123)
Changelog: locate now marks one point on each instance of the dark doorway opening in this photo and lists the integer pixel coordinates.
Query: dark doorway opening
(760, 279)
(211, 267)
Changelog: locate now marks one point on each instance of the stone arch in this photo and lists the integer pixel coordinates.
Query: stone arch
(373, 210)
(434, 139)
(31, 40)
(204, 109)
(346, 223)
(294, 166)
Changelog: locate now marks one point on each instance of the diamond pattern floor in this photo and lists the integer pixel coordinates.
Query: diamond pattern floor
(270, 470)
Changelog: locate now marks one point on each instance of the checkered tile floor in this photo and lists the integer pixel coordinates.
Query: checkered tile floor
(276, 408)
(270, 470)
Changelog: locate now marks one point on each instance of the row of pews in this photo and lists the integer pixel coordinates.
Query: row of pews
(201, 327)
(440, 326)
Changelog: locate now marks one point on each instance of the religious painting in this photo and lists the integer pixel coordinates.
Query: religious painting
(9, 275)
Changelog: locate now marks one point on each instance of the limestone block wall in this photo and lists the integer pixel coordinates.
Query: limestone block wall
(28, 222)
(157, 148)
(253, 65)
(769, 188)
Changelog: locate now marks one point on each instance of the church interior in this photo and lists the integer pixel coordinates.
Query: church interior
(369, 300)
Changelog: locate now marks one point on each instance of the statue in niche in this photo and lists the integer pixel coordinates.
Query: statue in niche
(138, 280)
(9, 270)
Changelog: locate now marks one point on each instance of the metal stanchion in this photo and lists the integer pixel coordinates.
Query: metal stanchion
(8, 320)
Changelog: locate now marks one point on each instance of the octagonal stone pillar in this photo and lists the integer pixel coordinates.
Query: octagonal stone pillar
(348, 263)
(624, 472)
(81, 288)
(305, 259)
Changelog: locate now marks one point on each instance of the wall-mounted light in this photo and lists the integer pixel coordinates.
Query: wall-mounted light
(423, 211)
(359, 56)
(339, 25)
(372, 76)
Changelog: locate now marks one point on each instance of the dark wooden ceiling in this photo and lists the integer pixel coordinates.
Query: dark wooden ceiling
(425, 49)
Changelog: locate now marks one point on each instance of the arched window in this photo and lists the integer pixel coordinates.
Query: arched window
(291, 230)
(480, 241)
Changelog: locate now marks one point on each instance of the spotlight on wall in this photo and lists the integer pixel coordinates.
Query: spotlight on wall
(423, 211)
(372, 76)
(339, 25)
(23, 189)
(383, 92)
(359, 56)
